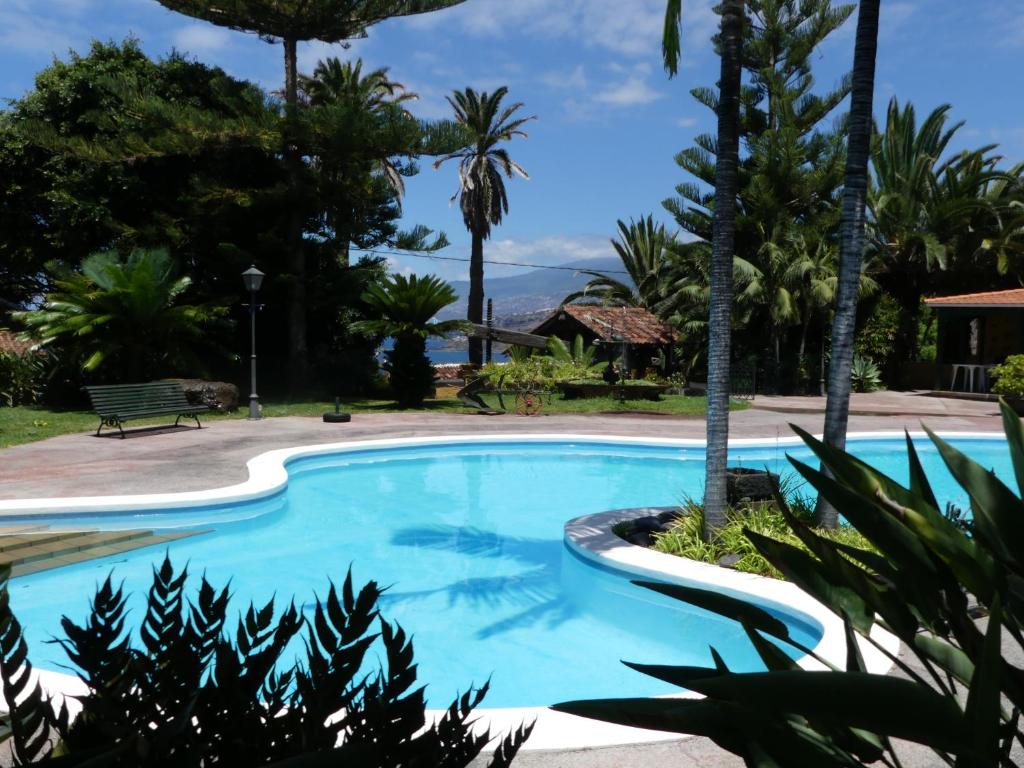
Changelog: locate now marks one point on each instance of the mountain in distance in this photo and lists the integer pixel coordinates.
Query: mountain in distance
(532, 292)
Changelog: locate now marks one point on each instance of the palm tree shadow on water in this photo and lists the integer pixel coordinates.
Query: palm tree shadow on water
(535, 591)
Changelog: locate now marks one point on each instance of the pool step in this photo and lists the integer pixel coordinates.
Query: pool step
(42, 550)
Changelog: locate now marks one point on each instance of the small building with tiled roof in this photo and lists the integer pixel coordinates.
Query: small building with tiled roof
(10, 343)
(975, 331)
(645, 338)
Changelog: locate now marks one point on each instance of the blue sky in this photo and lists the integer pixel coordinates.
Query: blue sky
(609, 120)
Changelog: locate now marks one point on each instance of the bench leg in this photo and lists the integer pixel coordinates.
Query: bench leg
(198, 423)
(100, 427)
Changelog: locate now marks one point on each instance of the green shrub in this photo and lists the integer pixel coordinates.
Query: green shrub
(192, 694)
(685, 538)
(22, 378)
(534, 372)
(865, 375)
(960, 697)
(1009, 377)
(881, 324)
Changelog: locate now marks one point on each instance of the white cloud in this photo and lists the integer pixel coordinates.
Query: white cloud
(545, 251)
(633, 90)
(628, 88)
(24, 29)
(633, 28)
(575, 78)
(200, 39)
(686, 122)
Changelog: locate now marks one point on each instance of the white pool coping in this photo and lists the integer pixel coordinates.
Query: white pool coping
(589, 536)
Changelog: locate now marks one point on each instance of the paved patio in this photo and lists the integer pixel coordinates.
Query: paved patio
(167, 460)
(185, 459)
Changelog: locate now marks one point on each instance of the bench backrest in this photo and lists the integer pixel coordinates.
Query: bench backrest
(123, 398)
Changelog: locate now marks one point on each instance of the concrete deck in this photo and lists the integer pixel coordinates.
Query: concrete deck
(922, 404)
(165, 460)
(168, 460)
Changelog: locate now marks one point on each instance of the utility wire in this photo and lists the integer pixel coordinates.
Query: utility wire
(419, 255)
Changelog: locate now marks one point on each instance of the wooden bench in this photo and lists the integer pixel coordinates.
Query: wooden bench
(118, 403)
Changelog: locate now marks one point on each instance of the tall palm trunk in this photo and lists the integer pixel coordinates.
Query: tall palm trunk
(722, 247)
(851, 243)
(475, 303)
(295, 260)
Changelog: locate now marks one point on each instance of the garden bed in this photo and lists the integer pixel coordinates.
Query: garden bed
(633, 390)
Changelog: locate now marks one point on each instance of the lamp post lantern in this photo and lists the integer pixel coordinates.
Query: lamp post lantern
(253, 279)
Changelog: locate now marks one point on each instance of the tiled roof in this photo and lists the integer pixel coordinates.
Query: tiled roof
(632, 324)
(1011, 298)
(9, 342)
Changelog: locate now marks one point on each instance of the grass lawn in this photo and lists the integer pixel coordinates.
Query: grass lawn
(26, 424)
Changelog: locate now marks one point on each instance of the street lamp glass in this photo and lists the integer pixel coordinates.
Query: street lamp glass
(253, 279)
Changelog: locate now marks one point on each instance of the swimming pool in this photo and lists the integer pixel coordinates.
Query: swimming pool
(469, 534)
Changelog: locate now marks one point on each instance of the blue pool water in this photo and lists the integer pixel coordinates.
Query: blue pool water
(469, 538)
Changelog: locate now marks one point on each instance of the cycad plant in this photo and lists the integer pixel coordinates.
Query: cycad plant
(959, 696)
(482, 195)
(407, 306)
(123, 317)
(576, 362)
(190, 692)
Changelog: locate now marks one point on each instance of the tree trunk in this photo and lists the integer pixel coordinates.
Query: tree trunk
(851, 240)
(475, 303)
(295, 258)
(722, 247)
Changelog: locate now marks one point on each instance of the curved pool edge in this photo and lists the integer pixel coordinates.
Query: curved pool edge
(268, 471)
(591, 537)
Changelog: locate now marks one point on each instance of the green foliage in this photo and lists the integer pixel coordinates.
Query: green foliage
(962, 699)
(877, 334)
(22, 378)
(537, 372)
(190, 692)
(790, 177)
(943, 221)
(685, 538)
(122, 316)
(482, 196)
(643, 248)
(865, 376)
(407, 306)
(1009, 377)
(543, 371)
(578, 362)
(331, 21)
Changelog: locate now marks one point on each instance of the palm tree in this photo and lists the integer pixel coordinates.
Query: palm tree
(851, 239)
(342, 82)
(407, 306)
(642, 248)
(811, 276)
(123, 318)
(482, 196)
(916, 215)
(730, 44)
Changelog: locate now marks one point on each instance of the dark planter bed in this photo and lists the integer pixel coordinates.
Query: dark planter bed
(575, 390)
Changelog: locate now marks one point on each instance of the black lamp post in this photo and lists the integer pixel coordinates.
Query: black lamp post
(253, 279)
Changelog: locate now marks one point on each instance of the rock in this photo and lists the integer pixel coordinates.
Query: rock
(669, 517)
(640, 538)
(647, 524)
(729, 561)
(215, 395)
(743, 484)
